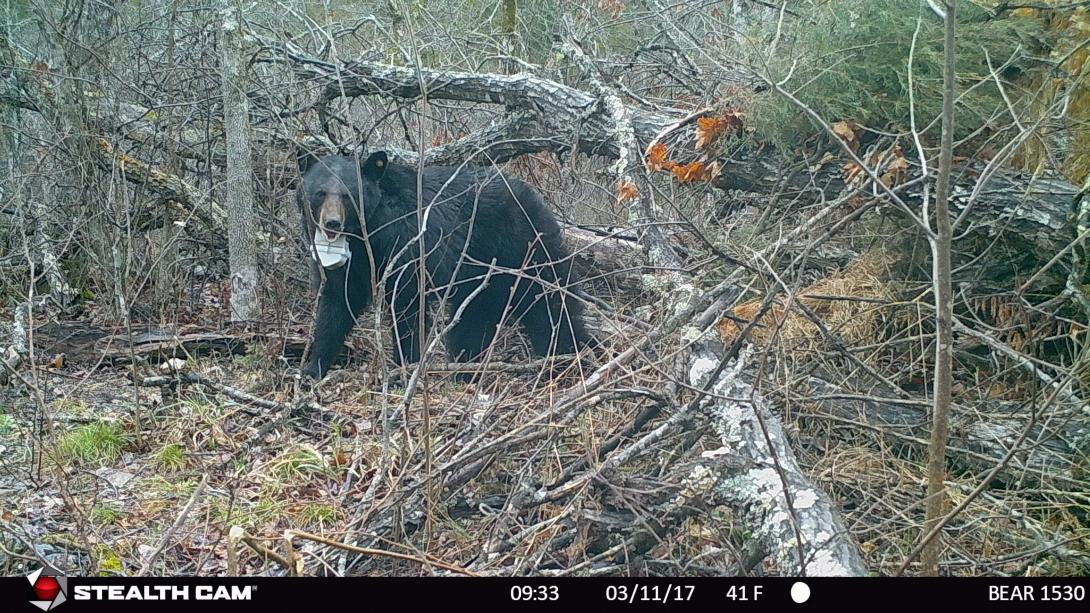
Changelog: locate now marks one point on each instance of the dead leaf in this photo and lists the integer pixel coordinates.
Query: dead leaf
(687, 173)
(851, 170)
(613, 7)
(657, 160)
(728, 330)
(627, 191)
(896, 172)
(846, 131)
(172, 365)
(709, 129)
(696, 171)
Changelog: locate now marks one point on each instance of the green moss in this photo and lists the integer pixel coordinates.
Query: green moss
(70, 407)
(61, 538)
(160, 486)
(109, 562)
(301, 464)
(316, 514)
(253, 358)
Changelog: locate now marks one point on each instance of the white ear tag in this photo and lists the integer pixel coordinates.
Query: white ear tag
(331, 253)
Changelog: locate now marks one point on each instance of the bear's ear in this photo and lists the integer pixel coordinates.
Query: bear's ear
(375, 165)
(305, 157)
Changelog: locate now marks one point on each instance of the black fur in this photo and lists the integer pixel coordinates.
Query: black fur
(502, 219)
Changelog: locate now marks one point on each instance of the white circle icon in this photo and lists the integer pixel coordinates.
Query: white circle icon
(800, 592)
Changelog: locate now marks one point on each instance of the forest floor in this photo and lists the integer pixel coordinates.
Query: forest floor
(103, 472)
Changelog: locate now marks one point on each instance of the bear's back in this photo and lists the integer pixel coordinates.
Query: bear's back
(500, 201)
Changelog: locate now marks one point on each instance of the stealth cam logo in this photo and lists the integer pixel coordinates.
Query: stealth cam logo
(51, 590)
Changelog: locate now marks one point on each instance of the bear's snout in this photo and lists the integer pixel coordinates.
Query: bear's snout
(331, 217)
(332, 227)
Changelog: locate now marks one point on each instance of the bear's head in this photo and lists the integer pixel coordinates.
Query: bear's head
(336, 188)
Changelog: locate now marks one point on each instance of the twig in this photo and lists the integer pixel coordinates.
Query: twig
(174, 527)
(424, 560)
(929, 538)
(230, 392)
(262, 550)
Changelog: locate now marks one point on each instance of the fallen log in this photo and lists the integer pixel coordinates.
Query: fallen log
(1022, 219)
(89, 345)
(754, 472)
(980, 435)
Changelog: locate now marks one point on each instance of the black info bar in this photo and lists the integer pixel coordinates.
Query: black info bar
(45, 592)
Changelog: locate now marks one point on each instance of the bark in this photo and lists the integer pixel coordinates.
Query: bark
(755, 473)
(88, 346)
(606, 257)
(629, 170)
(509, 23)
(17, 351)
(238, 187)
(44, 247)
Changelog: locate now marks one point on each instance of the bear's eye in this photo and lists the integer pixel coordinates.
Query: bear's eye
(319, 195)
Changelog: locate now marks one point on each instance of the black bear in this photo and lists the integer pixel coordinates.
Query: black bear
(479, 227)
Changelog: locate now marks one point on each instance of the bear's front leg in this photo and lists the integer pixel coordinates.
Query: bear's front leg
(343, 297)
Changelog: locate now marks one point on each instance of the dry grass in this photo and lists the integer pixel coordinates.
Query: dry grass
(847, 302)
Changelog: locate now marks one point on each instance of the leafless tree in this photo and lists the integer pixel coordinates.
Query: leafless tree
(941, 245)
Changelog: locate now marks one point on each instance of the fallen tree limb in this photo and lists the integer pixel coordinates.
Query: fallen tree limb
(755, 473)
(557, 109)
(238, 535)
(87, 344)
(1030, 213)
(115, 349)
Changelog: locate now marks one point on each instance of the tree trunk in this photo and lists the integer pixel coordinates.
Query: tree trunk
(238, 187)
(509, 23)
